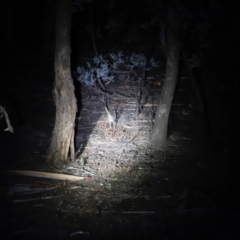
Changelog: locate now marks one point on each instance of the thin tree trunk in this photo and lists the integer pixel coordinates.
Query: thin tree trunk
(92, 31)
(159, 133)
(62, 144)
(8, 35)
(49, 22)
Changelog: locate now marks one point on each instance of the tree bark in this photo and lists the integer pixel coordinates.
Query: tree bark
(63, 134)
(159, 133)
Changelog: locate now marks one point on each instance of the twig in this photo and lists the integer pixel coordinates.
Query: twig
(134, 136)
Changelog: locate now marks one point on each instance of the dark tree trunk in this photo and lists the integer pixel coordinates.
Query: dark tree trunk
(159, 133)
(8, 35)
(62, 142)
(48, 36)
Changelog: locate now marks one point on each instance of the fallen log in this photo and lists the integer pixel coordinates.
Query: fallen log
(56, 176)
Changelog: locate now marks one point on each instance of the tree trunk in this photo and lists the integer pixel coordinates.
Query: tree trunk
(47, 51)
(8, 34)
(63, 134)
(159, 133)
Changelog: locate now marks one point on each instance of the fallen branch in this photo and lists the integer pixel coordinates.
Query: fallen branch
(56, 176)
(4, 113)
(33, 199)
(129, 212)
(138, 212)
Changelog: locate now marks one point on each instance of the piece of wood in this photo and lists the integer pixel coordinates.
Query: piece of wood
(5, 114)
(138, 212)
(56, 176)
(149, 105)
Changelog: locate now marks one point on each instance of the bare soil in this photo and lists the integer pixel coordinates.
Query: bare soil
(186, 190)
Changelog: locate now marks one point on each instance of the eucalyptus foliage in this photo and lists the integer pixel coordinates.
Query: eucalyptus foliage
(102, 67)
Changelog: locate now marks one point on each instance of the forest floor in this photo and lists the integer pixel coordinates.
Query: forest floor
(186, 190)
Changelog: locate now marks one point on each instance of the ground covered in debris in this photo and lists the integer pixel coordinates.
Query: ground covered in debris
(186, 190)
